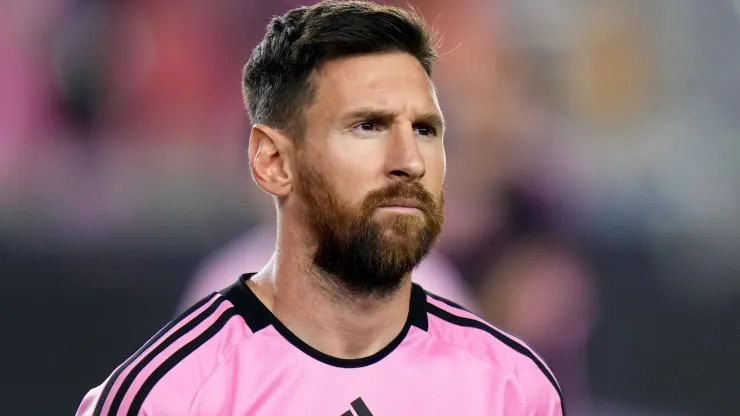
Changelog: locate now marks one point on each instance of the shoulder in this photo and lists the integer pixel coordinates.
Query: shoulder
(452, 324)
(166, 372)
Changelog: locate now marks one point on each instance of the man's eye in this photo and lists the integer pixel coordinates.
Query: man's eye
(367, 126)
(424, 130)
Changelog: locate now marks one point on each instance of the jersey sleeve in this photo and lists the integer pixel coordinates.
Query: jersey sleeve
(542, 394)
(164, 375)
(546, 403)
(171, 396)
(87, 407)
(514, 396)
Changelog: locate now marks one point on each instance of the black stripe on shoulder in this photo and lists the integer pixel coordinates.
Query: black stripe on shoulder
(176, 358)
(446, 301)
(109, 385)
(501, 336)
(182, 331)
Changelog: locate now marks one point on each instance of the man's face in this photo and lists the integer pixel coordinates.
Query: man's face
(371, 170)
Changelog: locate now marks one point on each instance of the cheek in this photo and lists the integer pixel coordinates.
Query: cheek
(347, 184)
(436, 167)
(347, 194)
(356, 157)
(354, 171)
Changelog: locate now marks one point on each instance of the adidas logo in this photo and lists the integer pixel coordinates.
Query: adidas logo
(360, 409)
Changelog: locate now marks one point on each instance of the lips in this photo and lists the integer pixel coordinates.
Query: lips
(403, 203)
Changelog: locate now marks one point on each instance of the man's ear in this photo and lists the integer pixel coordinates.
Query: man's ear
(269, 160)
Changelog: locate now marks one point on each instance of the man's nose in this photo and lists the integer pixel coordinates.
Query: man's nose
(405, 162)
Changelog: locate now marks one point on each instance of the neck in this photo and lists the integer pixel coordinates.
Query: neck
(323, 313)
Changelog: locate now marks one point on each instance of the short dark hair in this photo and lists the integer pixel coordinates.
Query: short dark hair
(276, 82)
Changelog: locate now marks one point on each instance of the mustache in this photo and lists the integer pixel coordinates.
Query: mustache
(399, 190)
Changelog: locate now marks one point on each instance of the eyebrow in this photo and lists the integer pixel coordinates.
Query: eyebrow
(433, 119)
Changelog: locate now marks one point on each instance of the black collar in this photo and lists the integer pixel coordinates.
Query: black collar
(257, 316)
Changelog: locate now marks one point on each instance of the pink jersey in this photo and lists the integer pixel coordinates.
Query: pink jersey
(228, 355)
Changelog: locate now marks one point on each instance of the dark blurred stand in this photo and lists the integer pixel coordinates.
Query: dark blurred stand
(75, 314)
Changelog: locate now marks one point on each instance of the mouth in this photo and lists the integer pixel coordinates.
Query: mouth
(402, 205)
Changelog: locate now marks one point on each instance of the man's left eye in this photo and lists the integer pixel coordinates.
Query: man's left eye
(425, 130)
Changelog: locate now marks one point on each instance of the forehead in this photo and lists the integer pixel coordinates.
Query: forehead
(390, 81)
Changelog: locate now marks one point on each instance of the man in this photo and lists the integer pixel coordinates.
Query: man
(347, 137)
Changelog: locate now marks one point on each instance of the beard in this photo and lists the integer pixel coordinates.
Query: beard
(364, 255)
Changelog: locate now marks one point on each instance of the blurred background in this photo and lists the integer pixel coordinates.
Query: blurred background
(593, 186)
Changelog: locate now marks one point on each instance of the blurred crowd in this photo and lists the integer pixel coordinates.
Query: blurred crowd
(593, 191)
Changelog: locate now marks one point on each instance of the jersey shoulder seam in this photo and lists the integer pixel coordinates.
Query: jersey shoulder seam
(512, 342)
(228, 356)
(460, 347)
(181, 355)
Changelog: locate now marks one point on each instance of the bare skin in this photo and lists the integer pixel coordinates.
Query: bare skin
(358, 153)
